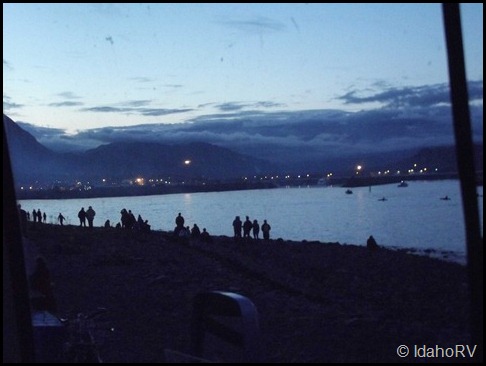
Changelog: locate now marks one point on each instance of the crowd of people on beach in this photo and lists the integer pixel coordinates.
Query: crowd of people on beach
(247, 230)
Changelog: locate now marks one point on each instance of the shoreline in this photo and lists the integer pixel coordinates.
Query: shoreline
(137, 191)
(317, 302)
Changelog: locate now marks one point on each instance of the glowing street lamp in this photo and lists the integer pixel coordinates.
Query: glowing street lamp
(358, 168)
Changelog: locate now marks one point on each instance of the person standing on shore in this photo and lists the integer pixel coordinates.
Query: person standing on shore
(256, 229)
(266, 230)
(237, 224)
(90, 214)
(61, 219)
(247, 225)
(179, 221)
(82, 217)
(371, 243)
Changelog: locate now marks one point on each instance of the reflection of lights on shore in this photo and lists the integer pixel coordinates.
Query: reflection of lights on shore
(187, 162)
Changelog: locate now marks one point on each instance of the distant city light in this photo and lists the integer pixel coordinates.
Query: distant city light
(187, 162)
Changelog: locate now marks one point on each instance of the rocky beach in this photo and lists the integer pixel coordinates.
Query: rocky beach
(317, 302)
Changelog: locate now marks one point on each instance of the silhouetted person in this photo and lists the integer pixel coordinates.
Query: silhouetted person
(179, 221)
(266, 230)
(61, 219)
(125, 219)
(41, 286)
(140, 222)
(23, 218)
(90, 215)
(107, 224)
(44, 216)
(256, 229)
(39, 215)
(34, 215)
(371, 243)
(28, 215)
(247, 227)
(237, 225)
(205, 237)
(195, 232)
(131, 219)
(82, 217)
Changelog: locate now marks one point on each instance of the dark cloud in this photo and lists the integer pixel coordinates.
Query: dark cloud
(162, 111)
(236, 106)
(135, 109)
(57, 140)
(230, 106)
(405, 97)
(9, 106)
(107, 109)
(65, 104)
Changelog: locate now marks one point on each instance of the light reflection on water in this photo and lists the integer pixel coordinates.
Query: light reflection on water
(411, 217)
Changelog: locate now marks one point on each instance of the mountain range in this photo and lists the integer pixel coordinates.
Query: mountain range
(33, 162)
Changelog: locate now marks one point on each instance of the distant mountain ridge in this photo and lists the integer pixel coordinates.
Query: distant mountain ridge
(191, 160)
(124, 160)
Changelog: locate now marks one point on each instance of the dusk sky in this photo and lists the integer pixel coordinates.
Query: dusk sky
(76, 67)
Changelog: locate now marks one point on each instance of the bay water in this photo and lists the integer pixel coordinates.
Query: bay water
(409, 217)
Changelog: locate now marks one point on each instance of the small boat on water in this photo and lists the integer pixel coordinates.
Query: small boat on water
(348, 191)
(445, 198)
(403, 184)
(382, 199)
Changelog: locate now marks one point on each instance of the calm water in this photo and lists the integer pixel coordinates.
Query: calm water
(411, 217)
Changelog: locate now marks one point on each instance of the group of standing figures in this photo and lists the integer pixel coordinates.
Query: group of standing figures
(89, 215)
(248, 227)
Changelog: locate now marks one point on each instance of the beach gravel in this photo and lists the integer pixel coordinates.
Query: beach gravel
(317, 302)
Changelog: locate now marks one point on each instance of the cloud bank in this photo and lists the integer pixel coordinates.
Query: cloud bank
(409, 118)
